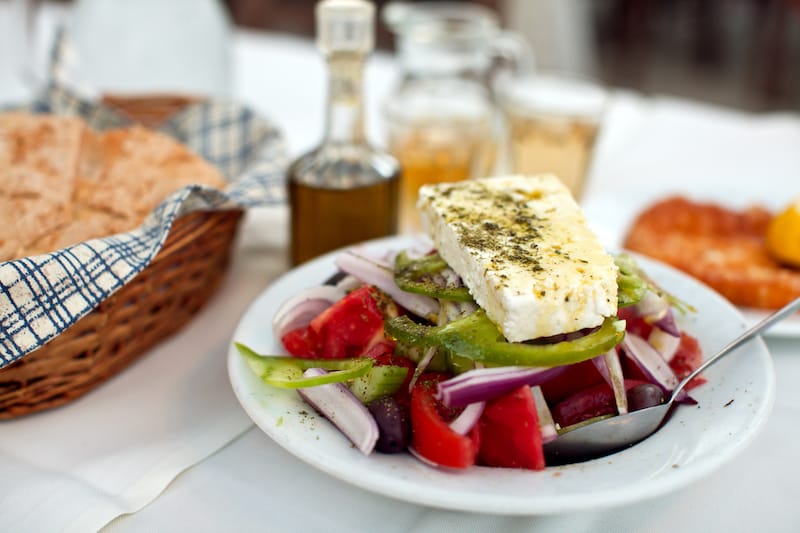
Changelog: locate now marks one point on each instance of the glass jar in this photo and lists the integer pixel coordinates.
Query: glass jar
(442, 116)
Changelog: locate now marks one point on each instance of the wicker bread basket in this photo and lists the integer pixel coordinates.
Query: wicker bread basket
(156, 303)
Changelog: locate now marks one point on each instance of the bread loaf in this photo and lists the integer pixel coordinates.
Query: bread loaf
(62, 183)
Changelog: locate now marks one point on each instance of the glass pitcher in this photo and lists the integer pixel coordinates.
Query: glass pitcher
(442, 115)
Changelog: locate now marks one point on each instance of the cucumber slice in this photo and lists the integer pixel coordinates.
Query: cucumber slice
(380, 381)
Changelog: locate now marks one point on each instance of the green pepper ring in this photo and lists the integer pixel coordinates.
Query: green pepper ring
(476, 337)
(287, 372)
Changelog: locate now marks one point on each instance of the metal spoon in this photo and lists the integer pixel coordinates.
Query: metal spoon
(612, 434)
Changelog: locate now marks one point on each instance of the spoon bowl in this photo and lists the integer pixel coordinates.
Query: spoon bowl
(618, 432)
(605, 436)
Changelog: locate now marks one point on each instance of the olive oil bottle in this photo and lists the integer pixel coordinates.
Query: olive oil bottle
(343, 191)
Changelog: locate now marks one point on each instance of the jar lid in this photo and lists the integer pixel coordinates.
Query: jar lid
(449, 22)
(345, 26)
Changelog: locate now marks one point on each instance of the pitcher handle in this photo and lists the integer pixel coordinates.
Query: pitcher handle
(513, 57)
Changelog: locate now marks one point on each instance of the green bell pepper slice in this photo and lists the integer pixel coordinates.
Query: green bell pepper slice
(476, 337)
(631, 287)
(633, 283)
(413, 275)
(287, 372)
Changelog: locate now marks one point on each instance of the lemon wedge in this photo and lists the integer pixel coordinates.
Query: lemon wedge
(783, 236)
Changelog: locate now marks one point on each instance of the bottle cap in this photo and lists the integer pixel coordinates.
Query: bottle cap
(345, 26)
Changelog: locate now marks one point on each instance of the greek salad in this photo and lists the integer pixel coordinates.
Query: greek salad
(394, 351)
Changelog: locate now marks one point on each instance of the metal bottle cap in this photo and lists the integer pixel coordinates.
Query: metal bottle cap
(345, 26)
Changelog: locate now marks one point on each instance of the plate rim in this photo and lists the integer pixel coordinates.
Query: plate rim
(653, 486)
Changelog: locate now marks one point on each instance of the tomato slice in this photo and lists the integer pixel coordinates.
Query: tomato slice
(588, 403)
(350, 326)
(574, 378)
(510, 433)
(431, 435)
(302, 342)
(688, 357)
(382, 352)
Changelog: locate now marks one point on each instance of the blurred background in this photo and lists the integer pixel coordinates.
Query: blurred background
(742, 54)
(738, 53)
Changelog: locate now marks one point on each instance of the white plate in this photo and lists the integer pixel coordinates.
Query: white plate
(732, 408)
(610, 219)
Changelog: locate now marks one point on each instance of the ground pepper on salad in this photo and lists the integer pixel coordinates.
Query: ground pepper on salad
(409, 363)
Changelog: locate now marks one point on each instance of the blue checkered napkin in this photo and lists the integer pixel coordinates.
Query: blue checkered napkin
(42, 296)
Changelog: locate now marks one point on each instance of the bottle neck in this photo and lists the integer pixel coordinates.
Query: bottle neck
(345, 115)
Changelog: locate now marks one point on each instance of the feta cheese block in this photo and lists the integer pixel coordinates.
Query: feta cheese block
(522, 246)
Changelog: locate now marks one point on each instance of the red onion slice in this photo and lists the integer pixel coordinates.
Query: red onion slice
(297, 311)
(381, 274)
(336, 403)
(486, 383)
(468, 418)
(611, 369)
(654, 365)
(667, 324)
(422, 366)
(348, 283)
(649, 361)
(665, 342)
(652, 306)
(601, 366)
(546, 423)
(656, 310)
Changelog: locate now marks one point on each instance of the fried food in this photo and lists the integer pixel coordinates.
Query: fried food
(62, 183)
(721, 247)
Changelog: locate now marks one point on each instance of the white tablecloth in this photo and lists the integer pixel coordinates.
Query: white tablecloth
(245, 482)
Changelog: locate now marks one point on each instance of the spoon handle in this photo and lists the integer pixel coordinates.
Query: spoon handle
(767, 322)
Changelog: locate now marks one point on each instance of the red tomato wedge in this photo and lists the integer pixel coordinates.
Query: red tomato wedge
(302, 342)
(348, 328)
(381, 351)
(589, 403)
(688, 357)
(510, 434)
(574, 378)
(431, 435)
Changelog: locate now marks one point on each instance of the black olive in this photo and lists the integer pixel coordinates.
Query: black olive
(645, 395)
(393, 424)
